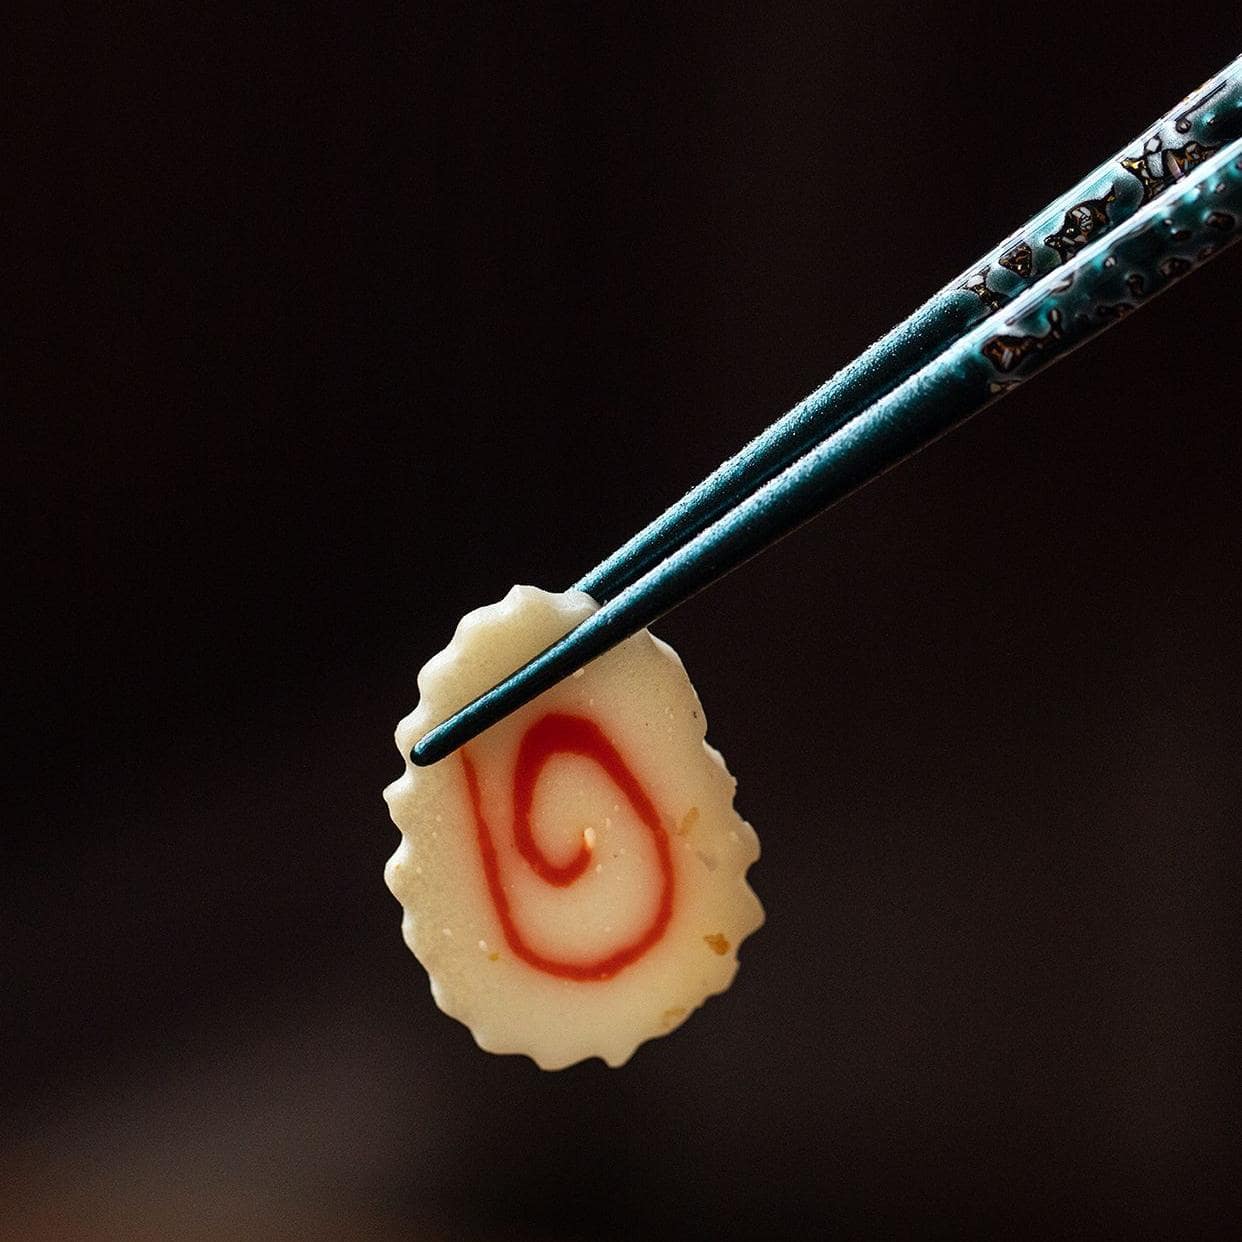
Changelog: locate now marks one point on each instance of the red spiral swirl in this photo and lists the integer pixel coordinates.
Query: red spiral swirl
(561, 734)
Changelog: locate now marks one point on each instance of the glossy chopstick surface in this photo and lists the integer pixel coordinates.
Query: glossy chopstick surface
(1106, 280)
(1150, 165)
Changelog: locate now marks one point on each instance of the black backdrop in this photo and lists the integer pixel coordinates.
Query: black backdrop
(330, 327)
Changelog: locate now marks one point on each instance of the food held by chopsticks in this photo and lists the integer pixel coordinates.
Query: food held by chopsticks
(574, 881)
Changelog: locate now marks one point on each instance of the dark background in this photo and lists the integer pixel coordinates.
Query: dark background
(324, 330)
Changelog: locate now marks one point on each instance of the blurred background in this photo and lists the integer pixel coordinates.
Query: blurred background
(326, 328)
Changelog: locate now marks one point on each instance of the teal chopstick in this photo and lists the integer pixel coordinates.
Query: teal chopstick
(1155, 161)
(1161, 243)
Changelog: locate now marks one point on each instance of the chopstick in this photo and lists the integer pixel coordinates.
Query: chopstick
(1190, 207)
(1205, 120)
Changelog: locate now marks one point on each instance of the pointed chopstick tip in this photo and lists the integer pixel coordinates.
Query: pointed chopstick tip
(434, 745)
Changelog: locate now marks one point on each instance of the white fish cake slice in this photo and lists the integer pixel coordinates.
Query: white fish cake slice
(574, 879)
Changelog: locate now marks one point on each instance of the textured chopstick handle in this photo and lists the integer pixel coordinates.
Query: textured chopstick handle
(1147, 168)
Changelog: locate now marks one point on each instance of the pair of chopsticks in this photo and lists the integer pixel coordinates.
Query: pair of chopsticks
(1145, 218)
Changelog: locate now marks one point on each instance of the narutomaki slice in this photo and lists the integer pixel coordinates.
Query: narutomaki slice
(574, 879)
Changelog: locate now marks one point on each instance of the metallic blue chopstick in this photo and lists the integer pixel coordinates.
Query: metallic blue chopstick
(1156, 247)
(1203, 122)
